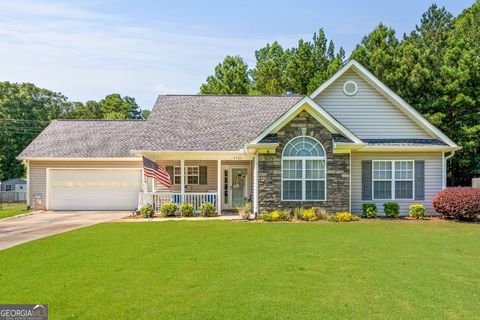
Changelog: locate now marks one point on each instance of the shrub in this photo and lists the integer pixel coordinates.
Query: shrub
(147, 211)
(186, 210)
(416, 211)
(343, 217)
(207, 209)
(391, 209)
(168, 209)
(309, 215)
(275, 215)
(369, 210)
(278, 215)
(322, 214)
(297, 213)
(457, 202)
(265, 216)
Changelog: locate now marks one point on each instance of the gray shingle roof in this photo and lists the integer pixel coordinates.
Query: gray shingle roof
(211, 122)
(405, 142)
(178, 122)
(86, 139)
(270, 138)
(340, 138)
(189, 123)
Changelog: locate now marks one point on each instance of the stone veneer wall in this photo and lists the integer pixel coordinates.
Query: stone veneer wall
(338, 170)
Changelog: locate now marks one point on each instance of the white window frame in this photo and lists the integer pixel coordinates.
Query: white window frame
(393, 179)
(304, 179)
(186, 175)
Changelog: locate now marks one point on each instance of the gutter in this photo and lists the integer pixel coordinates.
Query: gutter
(444, 164)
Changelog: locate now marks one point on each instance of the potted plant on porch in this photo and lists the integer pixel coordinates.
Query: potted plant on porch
(246, 210)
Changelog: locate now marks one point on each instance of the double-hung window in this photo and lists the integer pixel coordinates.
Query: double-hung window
(393, 179)
(192, 174)
(303, 170)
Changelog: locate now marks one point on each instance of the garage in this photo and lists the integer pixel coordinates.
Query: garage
(93, 189)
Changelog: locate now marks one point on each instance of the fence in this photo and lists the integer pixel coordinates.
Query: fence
(476, 183)
(12, 196)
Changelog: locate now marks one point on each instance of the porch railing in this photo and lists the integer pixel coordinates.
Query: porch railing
(195, 198)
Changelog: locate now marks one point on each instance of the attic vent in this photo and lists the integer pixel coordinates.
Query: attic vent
(350, 88)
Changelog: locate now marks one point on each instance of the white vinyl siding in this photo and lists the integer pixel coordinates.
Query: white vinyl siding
(368, 114)
(433, 178)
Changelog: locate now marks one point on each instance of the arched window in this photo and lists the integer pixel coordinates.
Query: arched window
(304, 170)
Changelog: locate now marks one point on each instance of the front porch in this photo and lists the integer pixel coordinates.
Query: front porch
(227, 184)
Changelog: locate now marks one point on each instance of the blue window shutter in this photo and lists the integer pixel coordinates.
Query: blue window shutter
(366, 179)
(419, 179)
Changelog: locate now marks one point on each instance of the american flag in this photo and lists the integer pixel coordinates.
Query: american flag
(152, 170)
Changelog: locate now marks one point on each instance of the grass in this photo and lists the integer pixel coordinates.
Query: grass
(12, 209)
(237, 270)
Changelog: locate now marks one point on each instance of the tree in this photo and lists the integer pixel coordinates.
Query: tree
(145, 114)
(377, 51)
(460, 95)
(269, 72)
(420, 58)
(231, 77)
(116, 107)
(25, 110)
(301, 67)
(326, 61)
(112, 107)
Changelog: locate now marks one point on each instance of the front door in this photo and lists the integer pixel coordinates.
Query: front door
(239, 187)
(235, 184)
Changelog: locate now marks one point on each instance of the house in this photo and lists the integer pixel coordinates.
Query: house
(13, 190)
(18, 185)
(351, 141)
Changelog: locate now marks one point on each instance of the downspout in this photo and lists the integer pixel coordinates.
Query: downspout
(350, 182)
(28, 182)
(445, 158)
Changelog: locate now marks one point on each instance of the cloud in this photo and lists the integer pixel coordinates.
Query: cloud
(48, 9)
(86, 55)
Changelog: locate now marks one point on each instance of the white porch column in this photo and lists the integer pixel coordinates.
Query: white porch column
(182, 182)
(255, 185)
(219, 187)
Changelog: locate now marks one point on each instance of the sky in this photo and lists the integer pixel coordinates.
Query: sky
(88, 49)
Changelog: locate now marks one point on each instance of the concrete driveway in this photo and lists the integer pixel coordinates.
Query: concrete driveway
(17, 230)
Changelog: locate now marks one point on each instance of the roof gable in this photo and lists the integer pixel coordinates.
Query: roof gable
(321, 115)
(414, 123)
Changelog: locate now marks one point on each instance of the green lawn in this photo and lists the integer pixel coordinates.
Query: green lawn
(238, 270)
(8, 210)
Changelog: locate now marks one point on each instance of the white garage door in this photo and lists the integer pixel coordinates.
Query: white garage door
(94, 189)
